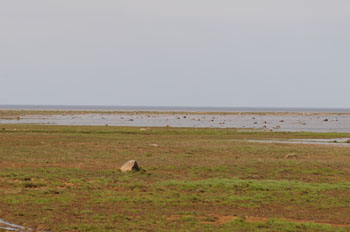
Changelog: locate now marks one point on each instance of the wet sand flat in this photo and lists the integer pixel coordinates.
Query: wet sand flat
(343, 142)
(326, 122)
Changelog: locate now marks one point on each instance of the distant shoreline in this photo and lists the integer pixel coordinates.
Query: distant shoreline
(173, 109)
(10, 113)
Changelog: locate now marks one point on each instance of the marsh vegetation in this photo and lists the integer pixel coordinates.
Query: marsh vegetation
(67, 178)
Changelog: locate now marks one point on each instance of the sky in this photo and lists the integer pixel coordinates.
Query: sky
(223, 53)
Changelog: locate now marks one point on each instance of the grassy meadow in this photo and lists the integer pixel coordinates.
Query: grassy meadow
(67, 178)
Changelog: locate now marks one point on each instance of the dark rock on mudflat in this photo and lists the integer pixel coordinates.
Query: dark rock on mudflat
(131, 165)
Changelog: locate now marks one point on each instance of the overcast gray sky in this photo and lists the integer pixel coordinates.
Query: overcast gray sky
(254, 53)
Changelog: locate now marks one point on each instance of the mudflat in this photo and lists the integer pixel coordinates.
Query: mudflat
(67, 178)
(272, 121)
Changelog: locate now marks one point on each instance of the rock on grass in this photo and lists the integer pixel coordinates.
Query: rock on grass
(131, 165)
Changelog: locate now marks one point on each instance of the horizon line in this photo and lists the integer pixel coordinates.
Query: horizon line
(143, 107)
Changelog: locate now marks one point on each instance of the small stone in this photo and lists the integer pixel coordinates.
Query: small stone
(154, 145)
(277, 127)
(131, 165)
(143, 129)
(290, 156)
